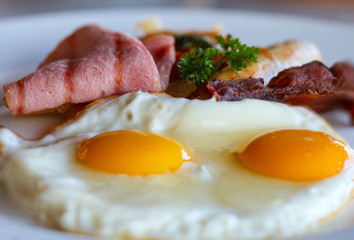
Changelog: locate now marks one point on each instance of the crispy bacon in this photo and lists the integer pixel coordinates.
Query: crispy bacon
(313, 76)
(344, 72)
(312, 85)
(237, 90)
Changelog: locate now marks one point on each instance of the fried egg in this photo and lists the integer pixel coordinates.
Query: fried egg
(150, 166)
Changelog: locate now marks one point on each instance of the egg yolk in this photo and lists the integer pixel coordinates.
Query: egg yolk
(297, 155)
(132, 152)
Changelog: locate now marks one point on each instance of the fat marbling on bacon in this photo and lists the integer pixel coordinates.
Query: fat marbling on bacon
(91, 63)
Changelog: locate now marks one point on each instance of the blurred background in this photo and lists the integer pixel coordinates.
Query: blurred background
(342, 10)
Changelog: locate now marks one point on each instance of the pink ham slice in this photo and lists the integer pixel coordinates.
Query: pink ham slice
(162, 49)
(92, 63)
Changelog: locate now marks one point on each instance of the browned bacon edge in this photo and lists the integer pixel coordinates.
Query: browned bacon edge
(312, 85)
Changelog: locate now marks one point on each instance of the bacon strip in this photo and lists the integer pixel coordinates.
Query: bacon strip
(344, 72)
(237, 90)
(312, 85)
(91, 63)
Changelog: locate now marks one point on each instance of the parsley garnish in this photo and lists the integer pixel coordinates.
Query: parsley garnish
(198, 66)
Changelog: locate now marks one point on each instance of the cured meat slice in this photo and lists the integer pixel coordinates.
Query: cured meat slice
(313, 76)
(162, 49)
(91, 63)
(237, 90)
(312, 85)
(344, 72)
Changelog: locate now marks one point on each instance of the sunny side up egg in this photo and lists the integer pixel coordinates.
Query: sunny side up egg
(150, 166)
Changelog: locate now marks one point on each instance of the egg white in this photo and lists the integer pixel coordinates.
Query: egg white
(212, 197)
(197, 123)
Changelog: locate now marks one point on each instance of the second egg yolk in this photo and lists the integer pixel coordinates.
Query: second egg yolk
(297, 155)
(132, 152)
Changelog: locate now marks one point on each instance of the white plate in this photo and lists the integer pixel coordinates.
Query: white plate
(25, 41)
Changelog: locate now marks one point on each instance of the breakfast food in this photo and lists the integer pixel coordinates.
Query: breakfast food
(312, 85)
(207, 193)
(95, 62)
(92, 63)
(273, 60)
(161, 47)
(145, 165)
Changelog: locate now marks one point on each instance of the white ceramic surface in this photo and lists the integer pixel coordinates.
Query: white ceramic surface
(25, 41)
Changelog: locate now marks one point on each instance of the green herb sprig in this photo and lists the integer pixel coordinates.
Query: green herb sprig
(198, 66)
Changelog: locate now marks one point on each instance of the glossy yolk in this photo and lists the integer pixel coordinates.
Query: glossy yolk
(132, 152)
(298, 155)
